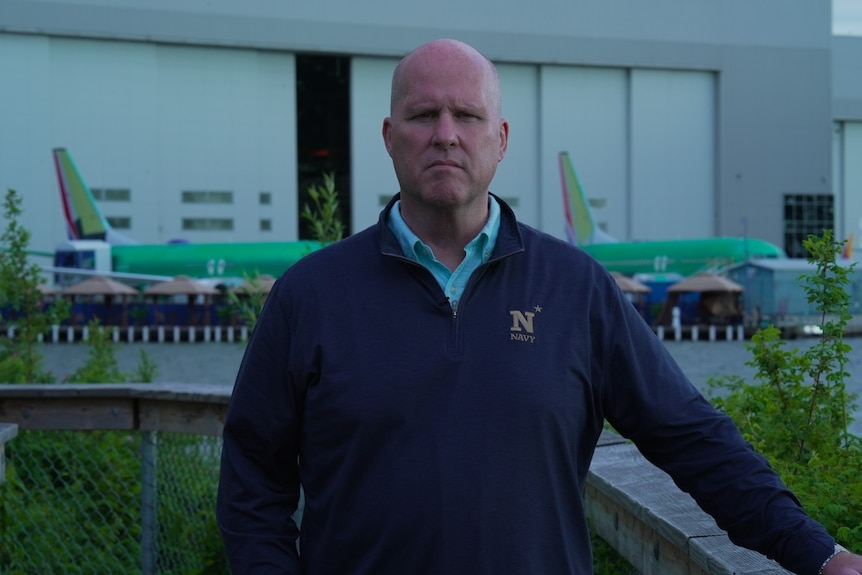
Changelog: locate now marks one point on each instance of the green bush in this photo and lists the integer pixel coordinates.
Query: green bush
(21, 302)
(323, 218)
(606, 560)
(72, 499)
(188, 538)
(797, 412)
(71, 503)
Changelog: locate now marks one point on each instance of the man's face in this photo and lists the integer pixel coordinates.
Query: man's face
(445, 135)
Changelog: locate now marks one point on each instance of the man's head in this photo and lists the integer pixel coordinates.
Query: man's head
(445, 132)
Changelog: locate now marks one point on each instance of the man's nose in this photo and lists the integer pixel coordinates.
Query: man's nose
(445, 133)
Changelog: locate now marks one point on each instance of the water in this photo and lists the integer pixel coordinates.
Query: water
(218, 362)
(702, 360)
(176, 362)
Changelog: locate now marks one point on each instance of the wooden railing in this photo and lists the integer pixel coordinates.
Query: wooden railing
(631, 504)
(185, 408)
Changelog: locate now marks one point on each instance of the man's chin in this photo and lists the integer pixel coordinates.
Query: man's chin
(448, 198)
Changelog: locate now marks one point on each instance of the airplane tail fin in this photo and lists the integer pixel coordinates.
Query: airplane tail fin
(581, 228)
(847, 250)
(84, 219)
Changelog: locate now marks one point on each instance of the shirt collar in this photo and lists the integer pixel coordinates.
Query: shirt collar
(413, 247)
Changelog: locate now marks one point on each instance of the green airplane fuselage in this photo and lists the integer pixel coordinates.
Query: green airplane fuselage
(685, 257)
(227, 260)
(236, 260)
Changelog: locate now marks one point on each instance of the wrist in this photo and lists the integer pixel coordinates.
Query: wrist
(838, 549)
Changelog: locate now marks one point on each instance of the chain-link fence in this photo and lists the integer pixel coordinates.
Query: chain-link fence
(110, 502)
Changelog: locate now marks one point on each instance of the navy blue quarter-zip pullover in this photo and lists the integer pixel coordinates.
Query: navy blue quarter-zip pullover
(433, 443)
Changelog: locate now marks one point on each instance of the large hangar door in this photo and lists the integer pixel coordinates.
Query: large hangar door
(642, 143)
(583, 111)
(673, 143)
(373, 180)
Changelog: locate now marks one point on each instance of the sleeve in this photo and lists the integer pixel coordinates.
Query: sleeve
(259, 481)
(648, 399)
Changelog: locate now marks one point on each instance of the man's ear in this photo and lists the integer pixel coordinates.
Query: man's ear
(504, 139)
(387, 135)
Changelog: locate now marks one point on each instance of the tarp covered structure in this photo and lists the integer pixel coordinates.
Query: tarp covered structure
(195, 291)
(719, 299)
(101, 289)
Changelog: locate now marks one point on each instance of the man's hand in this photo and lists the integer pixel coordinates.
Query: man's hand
(845, 563)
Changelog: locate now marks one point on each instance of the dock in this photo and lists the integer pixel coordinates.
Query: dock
(702, 332)
(145, 334)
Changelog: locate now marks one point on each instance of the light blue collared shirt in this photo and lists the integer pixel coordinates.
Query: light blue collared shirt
(476, 252)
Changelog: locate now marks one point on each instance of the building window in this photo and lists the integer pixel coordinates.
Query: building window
(265, 198)
(805, 215)
(119, 222)
(266, 225)
(207, 224)
(111, 194)
(206, 197)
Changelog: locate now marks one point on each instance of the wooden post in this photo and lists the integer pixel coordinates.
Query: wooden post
(149, 503)
(7, 432)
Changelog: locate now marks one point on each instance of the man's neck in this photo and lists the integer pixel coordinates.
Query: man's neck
(447, 231)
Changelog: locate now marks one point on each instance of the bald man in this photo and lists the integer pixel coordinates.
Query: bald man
(437, 383)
